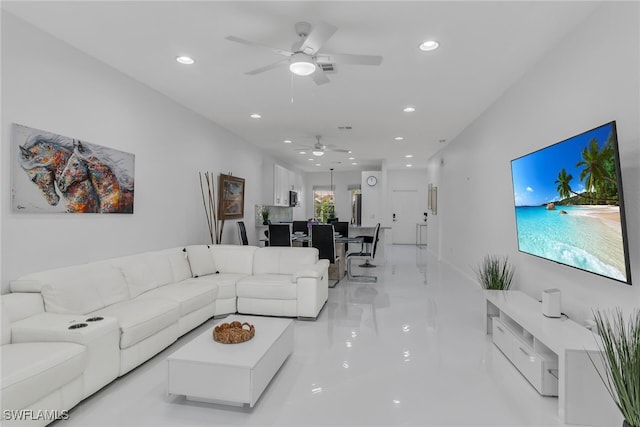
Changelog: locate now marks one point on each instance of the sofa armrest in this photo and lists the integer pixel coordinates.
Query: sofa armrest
(313, 271)
(100, 337)
(47, 326)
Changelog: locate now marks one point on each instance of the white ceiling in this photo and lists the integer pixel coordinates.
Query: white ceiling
(485, 48)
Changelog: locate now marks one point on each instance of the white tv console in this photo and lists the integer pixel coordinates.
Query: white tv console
(553, 355)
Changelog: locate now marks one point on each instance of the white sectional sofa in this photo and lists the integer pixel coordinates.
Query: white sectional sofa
(78, 328)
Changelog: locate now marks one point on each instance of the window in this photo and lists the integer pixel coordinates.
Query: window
(323, 204)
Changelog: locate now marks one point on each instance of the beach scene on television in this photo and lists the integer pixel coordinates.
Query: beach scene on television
(567, 199)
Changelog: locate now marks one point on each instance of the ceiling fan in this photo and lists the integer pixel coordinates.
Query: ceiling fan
(319, 148)
(304, 59)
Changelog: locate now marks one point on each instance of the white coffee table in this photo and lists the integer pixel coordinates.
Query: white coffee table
(231, 374)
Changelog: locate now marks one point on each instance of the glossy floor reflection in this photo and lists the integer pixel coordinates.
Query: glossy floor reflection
(407, 350)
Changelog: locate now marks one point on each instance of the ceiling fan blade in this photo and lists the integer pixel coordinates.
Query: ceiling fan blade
(319, 77)
(339, 150)
(348, 58)
(267, 67)
(320, 33)
(282, 52)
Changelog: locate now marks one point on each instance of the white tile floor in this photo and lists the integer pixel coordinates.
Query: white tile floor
(408, 350)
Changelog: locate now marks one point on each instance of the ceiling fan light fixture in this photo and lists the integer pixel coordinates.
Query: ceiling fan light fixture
(301, 64)
(318, 153)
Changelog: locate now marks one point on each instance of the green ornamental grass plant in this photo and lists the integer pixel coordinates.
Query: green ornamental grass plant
(495, 272)
(621, 356)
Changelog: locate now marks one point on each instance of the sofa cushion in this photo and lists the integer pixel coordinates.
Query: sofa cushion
(83, 288)
(233, 258)
(200, 260)
(191, 296)
(16, 307)
(283, 260)
(31, 371)
(5, 324)
(180, 266)
(226, 286)
(141, 318)
(160, 267)
(267, 286)
(139, 276)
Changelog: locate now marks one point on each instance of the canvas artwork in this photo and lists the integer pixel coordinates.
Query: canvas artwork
(231, 199)
(55, 173)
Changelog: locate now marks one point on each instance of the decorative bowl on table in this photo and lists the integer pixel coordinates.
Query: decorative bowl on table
(234, 332)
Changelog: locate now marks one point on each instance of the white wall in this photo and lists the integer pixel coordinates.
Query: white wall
(48, 85)
(589, 78)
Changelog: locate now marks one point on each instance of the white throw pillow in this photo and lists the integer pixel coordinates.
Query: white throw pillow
(200, 260)
(180, 266)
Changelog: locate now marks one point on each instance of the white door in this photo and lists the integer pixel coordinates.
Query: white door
(407, 211)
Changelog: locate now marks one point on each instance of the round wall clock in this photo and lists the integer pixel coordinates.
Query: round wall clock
(372, 180)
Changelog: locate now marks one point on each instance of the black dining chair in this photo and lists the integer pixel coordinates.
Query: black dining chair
(300, 226)
(242, 233)
(279, 235)
(323, 239)
(332, 220)
(367, 242)
(369, 256)
(342, 228)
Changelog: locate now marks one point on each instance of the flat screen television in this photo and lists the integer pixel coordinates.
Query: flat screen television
(569, 204)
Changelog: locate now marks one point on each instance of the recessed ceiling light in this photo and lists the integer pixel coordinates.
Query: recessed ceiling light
(303, 152)
(317, 164)
(408, 156)
(255, 116)
(428, 45)
(409, 109)
(311, 159)
(287, 141)
(185, 60)
(352, 158)
(398, 138)
(409, 166)
(354, 163)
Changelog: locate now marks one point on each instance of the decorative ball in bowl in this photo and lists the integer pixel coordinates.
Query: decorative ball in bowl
(234, 332)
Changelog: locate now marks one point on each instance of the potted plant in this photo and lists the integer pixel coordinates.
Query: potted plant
(495, 272)
(620, 351)
(264, 212)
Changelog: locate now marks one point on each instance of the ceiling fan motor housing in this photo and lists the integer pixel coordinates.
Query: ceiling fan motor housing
(303, 29)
